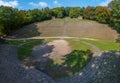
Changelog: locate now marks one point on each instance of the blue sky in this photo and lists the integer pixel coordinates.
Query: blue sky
(31, 4)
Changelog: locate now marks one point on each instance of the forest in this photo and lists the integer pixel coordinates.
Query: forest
(12, 18)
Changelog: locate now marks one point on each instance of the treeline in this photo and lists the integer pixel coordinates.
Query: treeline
(12, 18)
(109, 15)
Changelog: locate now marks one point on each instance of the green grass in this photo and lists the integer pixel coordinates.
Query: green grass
(26, 49)
(78, 45)
(77, 59)
(16, 42)
(74, 62)
(50, 40)
(105, 45)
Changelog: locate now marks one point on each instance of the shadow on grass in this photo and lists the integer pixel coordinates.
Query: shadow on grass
(72, 64)
(26, 32)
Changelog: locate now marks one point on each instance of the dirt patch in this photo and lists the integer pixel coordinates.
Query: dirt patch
(55, 50)
(61, 48)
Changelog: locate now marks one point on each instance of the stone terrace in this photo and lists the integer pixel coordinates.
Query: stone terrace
(12, 71)
(101, 69)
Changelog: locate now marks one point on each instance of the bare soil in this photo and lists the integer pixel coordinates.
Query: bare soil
(55, 50)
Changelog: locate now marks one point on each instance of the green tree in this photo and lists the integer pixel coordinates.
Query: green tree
(67, 11)
(74, 12)
(47, 13)
(115, 11)
(102, 14)
(58, 12)
(36, 15)
(89, 13)
(10, 18)
(24, 17)
(1, 29)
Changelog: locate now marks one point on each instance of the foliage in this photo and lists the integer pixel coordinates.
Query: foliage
(77, 59)
(115, 19)
(12, 18)
(1, 30)
(110, 14)
(67, 11)
(99, 13)
(89, 13)
(102, 14)
(36, 15)
(58, 12)
(74, 12)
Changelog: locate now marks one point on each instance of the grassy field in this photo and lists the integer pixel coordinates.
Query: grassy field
(17, 42)
(105, 45)
(78, 45)
(75, 44)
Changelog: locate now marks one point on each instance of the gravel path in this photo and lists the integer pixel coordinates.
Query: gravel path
(95, 49)
(12, 71)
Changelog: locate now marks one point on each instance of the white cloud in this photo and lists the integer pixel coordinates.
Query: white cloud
(42, 4)
(9, 3)
(105, 3)
(33, 4)
(56, 3)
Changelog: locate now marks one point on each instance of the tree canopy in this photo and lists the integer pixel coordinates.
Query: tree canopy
(115, 12)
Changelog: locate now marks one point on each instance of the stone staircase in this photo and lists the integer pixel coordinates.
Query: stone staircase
(13, 71)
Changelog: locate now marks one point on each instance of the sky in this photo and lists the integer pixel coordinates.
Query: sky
(31, 4)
